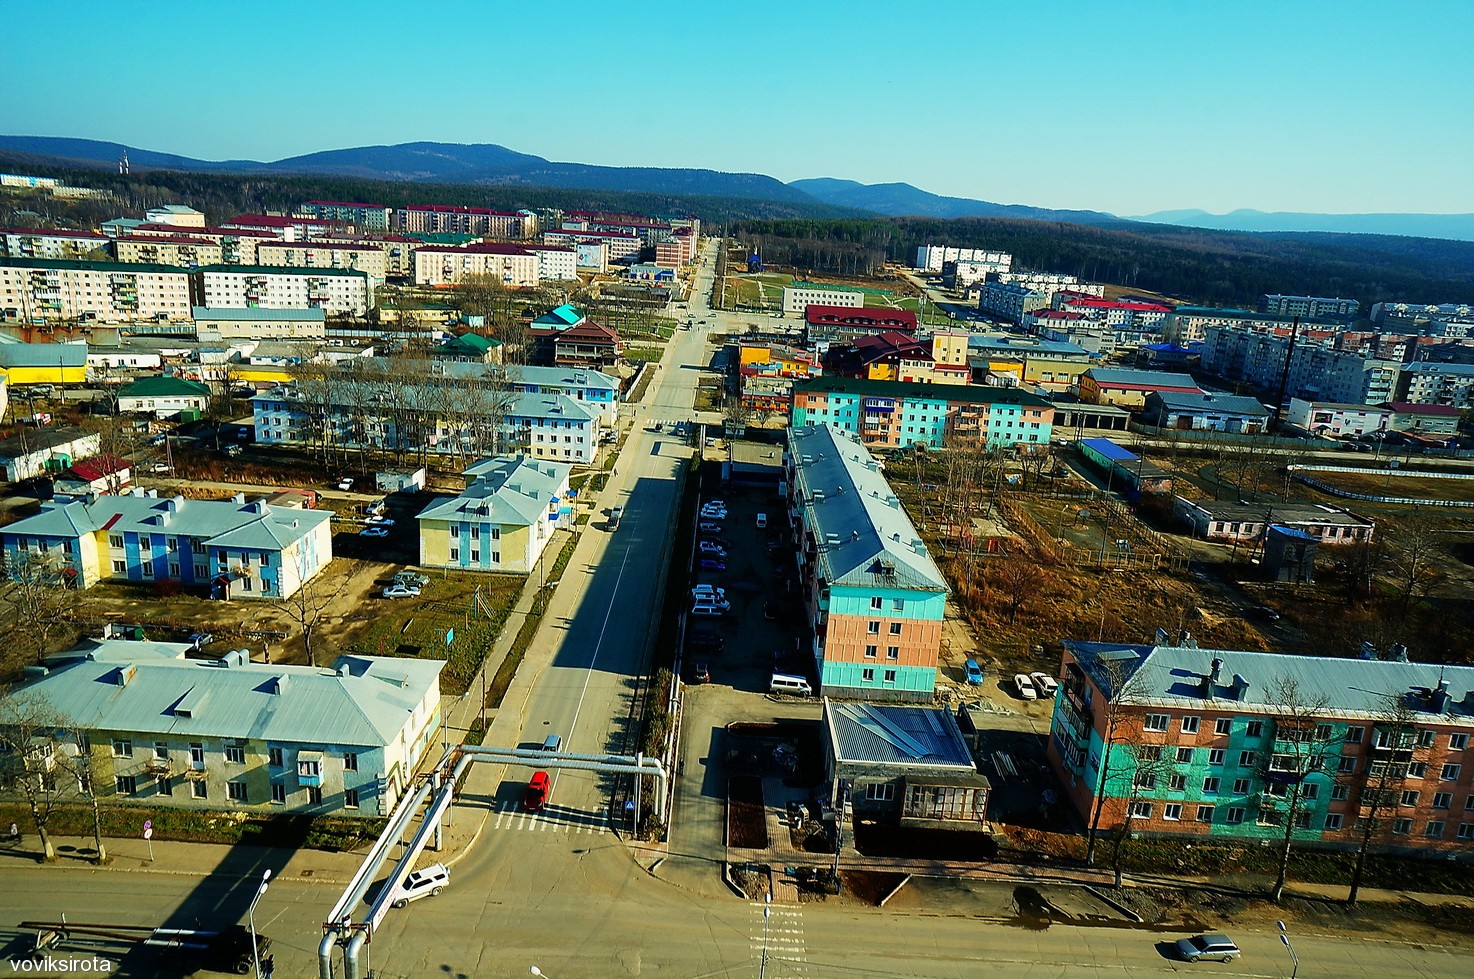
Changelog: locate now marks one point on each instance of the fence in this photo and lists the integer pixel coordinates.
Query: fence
(1298, 471)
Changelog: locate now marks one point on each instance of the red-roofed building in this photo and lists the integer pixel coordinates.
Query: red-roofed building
(843, 324)
(237, 245)
(100, 474)
(587, 344)
(1116, 313)
(366, 217)
(1422, 419)
(290, 228)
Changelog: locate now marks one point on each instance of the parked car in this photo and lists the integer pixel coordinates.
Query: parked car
(711, 564)
(379, 521)
(709, 527)
(536, 795)
(411, 579)
(721, 542)
(762, 521)
(973, 672)
(718, 601)
(705, 592)
(720, 504)
(346, 483)
(700, 673)
(1025, 687)
(374, 532)
(711, 548)
(427, 882)
(160, 467)
(712, 513)
(1200, 947)
(1045, 684)
(707, 609)
(400, 590)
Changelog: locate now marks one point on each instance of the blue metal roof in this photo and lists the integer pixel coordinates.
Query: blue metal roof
(1109, 450)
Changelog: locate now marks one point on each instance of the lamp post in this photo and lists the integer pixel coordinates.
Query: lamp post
(251, 915)
(1285, 940)
(538, 972)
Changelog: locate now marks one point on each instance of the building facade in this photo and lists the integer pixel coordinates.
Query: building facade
(186, 251)
(337, 292)
(1229, 521)
(800, 295)
(1332, 419)
(35, 290)
(51, 243)
(502, 521)
(365, 217)
(450, 219)
(1128, 388)
(366, 257)
(1431, 383)
(447, 265)
(1310, 307)
(896, 414)
(1201, 412)
(846, 324)
(932, 258)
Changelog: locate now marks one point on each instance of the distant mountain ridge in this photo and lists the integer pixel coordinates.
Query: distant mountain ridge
(1457, 227)
(904, 200)
(486, 163)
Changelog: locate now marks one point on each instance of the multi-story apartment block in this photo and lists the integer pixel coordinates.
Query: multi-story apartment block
(966, 274)
(1317, 370)
(1310, 307)
(1430, 383)
(234, 548)
(448, 219)
(1190, 324)
(51, 243)
(1424, 318)
(446, 265)
(670, 254)
(555, 264)
(1115, 313)
(801, 295)
(237, 245)
(899, 414)
(175, 215)
(619, 244)
(1008, 359)
(366, 257)
(185, 251)
(934, 258)
(337, 292)
(35, 290)
(162, 729)
(870, 590)
(364, 217)
(1182, 741)
(287, 228)
(844, 324)
(1050, 283)
(503, 519)
(1010, 302)
(582, 384)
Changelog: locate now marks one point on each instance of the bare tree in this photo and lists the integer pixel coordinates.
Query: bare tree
(1120, 726)
(735, 414)
(309, 603)
(1017, 579)
(1294, 771)
(42, 599)
(1142, 768)
(32, 743)
(1416, 559)
(1379, 788)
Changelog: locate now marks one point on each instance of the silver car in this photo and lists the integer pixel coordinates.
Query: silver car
(1212, 947)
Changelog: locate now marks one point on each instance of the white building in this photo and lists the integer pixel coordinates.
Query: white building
(931, 258)
(261, 324)
(1429, 383)
(1009, 301)
(49, 243)
(176, 215)
(319, 254)
(37, 290)
(337, 292)
(1333, 419)
(555, 264)
(801, 295)
(446, 265)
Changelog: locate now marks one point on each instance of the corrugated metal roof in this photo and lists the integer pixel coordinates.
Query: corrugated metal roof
(1152, 379)
(513, 490)
(909, 737)
(361, 701)
(1238, 404)
(258, 314)
(217, 522)
(43, 355)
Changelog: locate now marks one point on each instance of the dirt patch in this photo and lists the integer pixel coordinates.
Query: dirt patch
(747, 824)
(754, 880)
(870, 886)
(874, 840)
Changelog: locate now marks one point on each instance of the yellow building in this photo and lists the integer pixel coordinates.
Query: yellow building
(44, 363)
(183, 250)
(502, 521)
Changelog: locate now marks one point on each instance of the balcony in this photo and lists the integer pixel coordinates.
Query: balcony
(159, 766)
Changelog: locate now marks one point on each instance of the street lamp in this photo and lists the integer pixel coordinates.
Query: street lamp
(538, 972)
(1294, 959)
(251, 914)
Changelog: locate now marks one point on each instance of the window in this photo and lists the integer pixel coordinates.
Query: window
(1333, 821)
(1241, 785)
(873, 628)
(1222, 726)
(876, 602)
(1247, 759)
(1346, 765)
(1340, 793)
(475, 555)
(1355, 734)
(867, 675)
(1442, 800)
(1184, 756)
(1146, 781)
(1141, 810)
(1409, 797)
(164, 785)
(871, 652)
(1255, 729)
(274, 757)
(893, 652)
(1177, 783)
(278, 794)
(1155, 722)
(1269, 817)
(1235, 814)
(1458, 742)
(1425, 738)
(125, 784)
(122, 749)
(314, 795)
(1310, 790)
(115, 540)
(455, 553)
(895, 628)
(1282, 762)
(120, 567)
(1466, 831)
(350, 798)
(1210, 785)
(199, 790)
(235, 754)
(1434, 829)
(1205, 814)
(309, 768)
(350, 761)
(1322, 732)
(1402, 826)
(1190, 724)
(1417, 769)
(235, 791)
(1173, 811)
(889, 676)
(161, 750)
(1150, 752)
(880, 792)
(1215, 756)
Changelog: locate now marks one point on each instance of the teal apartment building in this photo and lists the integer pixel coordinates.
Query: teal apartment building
(898, 414)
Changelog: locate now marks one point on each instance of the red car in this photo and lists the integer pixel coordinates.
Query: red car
(537, 792)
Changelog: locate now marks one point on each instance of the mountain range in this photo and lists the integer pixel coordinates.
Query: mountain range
(492, 164)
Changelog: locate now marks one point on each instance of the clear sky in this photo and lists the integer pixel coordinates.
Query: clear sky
(1130, 107)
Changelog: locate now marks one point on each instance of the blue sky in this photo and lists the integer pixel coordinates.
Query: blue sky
(1127, 107)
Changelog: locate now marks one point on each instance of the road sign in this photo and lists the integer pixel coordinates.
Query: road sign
(148, 824)
(148, 833)
(450, 636)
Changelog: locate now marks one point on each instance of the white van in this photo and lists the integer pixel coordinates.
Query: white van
(793, 686)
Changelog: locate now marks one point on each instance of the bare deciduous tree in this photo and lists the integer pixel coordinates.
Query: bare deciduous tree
(1381, 782)
(1294, 770)
(42, 600)
(32, 746)
(1016, 579)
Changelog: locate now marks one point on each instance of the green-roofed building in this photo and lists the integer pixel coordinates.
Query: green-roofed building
(469, 348)
(899, 414)
(564, 317)
(163, 397)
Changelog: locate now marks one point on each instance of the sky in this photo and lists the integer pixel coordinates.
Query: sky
(1129, 107)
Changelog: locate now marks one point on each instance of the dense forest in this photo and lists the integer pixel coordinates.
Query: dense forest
(1210, 267)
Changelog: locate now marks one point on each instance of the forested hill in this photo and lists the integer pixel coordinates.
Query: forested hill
(1211, 267)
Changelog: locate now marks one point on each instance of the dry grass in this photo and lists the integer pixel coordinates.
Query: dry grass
(1379, 483)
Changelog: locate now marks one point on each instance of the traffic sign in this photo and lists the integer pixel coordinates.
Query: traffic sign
(148, 824)
(148, 833)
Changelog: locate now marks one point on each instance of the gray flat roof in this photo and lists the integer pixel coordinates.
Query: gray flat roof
(887, 734)
(1280, 513)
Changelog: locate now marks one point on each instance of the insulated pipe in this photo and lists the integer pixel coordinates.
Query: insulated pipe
(350, 955)
(325, 955)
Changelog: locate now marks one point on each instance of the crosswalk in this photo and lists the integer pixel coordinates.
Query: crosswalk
(571, 822)
(777, 938)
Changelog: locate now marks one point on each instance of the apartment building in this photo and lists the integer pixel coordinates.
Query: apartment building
(234, 548)
(870, 590)
(1009, 359)
(446, 265)
(618, 245)
(801, 295)
(899, 414)
(1145, 317)
(287, 228)
(50, 243)
(38, 290)
(450, 219)
(503, 519)
(337, 292)
(185, 251)
(1010, 302)
(175, 215)
(964, 275)
(1430, 383)
(1421, 419)
(1317, 370)
(933, 258)
(366, 257)
(768, 373)
(845, 324)
(1189, 742)
(1050, 283)
(1331, 419)
(1189, 324)
(1310, 307)
(591, 387)
(163, 729)
(237, 245)
(365, 217)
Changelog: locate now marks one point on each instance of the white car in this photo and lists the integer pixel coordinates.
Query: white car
(374, 532)
(428, 882)
(715, 601)
(400, 590)
(379, 521)
(711, 548)
(706, 608)
(713, 514)
(1025, 687)
(1045, 684)
(708, 592)
(346, 483)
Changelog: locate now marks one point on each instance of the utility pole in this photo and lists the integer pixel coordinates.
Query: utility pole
(1279, 400)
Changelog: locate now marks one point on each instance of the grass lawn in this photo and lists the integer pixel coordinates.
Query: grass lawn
(708, 394)
(644, 353)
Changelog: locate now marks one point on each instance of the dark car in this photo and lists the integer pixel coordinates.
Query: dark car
(711, 564)
(721, 542)
(700, 673)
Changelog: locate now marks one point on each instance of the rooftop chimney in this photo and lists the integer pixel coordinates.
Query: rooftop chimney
(1238, 688)
(1215, 672)
(1398, 652)
(238, 498)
